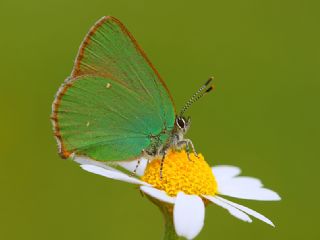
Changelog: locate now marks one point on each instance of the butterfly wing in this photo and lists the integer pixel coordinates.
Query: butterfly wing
(114, 100)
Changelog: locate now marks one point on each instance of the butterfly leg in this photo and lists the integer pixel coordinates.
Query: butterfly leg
(182, 143)
(162, 162)
(188, 151)
(136, 168)
(188, 143)
(145, 153)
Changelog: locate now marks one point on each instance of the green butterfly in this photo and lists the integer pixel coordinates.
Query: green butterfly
(115, 106)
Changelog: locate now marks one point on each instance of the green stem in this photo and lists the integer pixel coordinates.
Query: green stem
(169, 231)
(167, 212)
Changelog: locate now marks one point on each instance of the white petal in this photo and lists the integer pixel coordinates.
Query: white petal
(241, 187)
(247, 192)
(247, 210)
(224, 172)
(111, 174)
(244, 181)
(232, 210)
(131, 165)
(82, 160)
(188, 215)
(158, 194)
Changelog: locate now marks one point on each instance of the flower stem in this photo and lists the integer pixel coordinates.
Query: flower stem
(167, 212)
(169, 231)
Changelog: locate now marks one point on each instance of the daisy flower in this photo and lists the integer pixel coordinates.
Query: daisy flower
(186, 187)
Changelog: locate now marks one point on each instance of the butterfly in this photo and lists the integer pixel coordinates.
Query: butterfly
(115, 106)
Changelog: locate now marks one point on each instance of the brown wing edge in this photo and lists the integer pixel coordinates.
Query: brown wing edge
(76, 69)
(63, 152)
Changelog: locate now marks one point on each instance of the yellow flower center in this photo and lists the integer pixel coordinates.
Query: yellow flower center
(179, 173)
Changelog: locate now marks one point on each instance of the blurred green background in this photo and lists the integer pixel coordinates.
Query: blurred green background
(263, 116)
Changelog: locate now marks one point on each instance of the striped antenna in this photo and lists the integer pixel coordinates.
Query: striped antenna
(199, 94)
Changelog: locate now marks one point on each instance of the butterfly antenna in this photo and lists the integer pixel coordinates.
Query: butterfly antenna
(198, 94)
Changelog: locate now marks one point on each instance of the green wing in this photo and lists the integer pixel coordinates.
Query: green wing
(114, 99)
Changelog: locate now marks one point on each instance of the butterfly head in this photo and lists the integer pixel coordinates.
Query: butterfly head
(183, 123)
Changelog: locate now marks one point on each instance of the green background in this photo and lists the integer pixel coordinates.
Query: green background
(263, 116)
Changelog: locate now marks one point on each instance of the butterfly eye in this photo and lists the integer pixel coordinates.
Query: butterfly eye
(181, 123)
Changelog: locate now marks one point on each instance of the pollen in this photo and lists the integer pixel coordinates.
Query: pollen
(190, 175)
